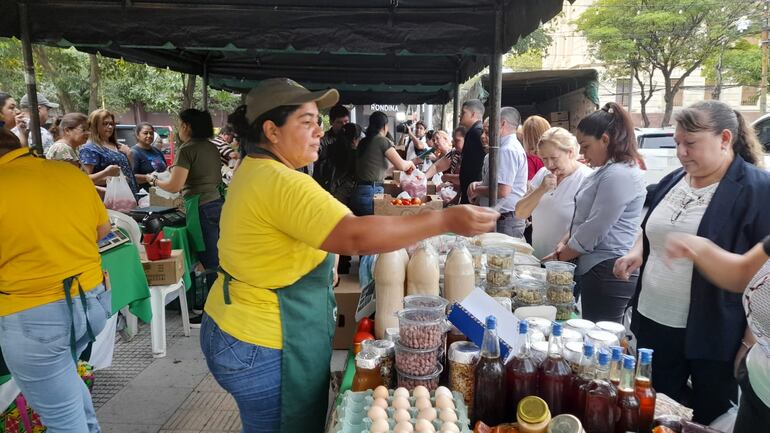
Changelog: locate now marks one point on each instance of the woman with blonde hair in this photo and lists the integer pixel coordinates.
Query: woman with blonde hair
(551, 196)
(531, 131)
(102, 151)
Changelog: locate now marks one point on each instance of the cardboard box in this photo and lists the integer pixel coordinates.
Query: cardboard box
(382, 205)
(157, 200)
(166, 271)
(346, 295)
(559, 116)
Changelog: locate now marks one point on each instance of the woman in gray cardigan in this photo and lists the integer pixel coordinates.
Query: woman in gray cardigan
(608, 208)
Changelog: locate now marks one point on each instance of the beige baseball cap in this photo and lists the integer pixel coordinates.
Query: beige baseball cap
(275, 92)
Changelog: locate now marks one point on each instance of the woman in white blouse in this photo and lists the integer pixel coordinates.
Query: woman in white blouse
(551, 196)
(748, 274)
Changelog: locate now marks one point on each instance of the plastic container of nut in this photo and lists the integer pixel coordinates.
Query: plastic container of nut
(463, 358)
(429, 302)
(561, 273)
(417, 362)
(500, 257)
(564, 311)
(421, 328)
(497, 277)
(530, 292)
(530, 272)
(411, 381)
(560, 294)
(504, 291)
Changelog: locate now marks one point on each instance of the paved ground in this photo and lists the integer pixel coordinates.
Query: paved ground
(175, 394)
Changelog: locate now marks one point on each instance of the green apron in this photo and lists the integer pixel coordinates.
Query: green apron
(193, 222)
(308, 321)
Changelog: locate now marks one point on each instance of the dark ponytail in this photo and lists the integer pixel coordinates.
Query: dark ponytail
(614, 121)
(377, 121)
(716, 116)
(251, 134)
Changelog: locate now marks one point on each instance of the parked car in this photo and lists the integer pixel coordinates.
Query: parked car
(127, 135)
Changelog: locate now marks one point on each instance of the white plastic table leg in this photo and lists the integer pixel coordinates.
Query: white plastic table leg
(185, 312)
(158, 322)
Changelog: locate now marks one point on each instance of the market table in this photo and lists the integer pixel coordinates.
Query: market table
(129, 284)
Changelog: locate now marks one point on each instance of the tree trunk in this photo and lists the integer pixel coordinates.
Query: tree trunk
(188, 95)
(137, 108)
(64, 98)
(95, 78)
(668, 98)
(717, 90)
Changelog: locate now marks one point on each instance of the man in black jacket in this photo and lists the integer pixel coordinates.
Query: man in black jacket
(471, 117)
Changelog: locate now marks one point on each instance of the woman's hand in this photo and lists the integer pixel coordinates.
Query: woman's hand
(125, 150)
(22, 122)
(681, 246)
(112, 170)
(555, 254)
(627, 265)
(466, 220)
(472, 194)
(548, 184)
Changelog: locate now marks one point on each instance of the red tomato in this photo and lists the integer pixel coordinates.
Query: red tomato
(366, 325)
(416, 201)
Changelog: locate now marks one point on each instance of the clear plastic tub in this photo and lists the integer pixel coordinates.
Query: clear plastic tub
(541, 324)
(581, 325)
(530, 292)
(530, 272)
(564, 311)
(421, 328)
(426, 301)
(499, 257)
(499, 277)
(602, 339)
(418, 362)
(561, 273)
(499, 291)
(410, 381)
(561, 294)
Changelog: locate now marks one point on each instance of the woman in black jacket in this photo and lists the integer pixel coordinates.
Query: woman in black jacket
(695, 328)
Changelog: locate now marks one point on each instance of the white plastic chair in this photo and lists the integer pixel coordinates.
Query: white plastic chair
(158, 302)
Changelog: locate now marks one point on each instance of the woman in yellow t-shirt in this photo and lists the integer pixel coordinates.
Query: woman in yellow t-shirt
(269, 318)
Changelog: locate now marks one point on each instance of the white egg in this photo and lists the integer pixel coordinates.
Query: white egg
(404, 427)
(422, 403)
(401, 392)
(379, 426)
(421, 391)
(380, 402)
(402, 415)
(444, 402)
(424, 426)
(450, 427)
(428, 413)
(376, 412)
(448, 415)
(400, 403)
(380, 392)
(442, 390)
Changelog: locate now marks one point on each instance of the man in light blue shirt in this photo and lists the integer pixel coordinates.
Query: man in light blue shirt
(511, 175)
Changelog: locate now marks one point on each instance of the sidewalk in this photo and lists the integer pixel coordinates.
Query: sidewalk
(175, 394)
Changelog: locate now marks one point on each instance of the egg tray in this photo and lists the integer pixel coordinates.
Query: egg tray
(352, 412)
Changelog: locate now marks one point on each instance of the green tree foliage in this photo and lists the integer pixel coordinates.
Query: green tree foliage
(741, 64)
(674, 38)
(527, 54)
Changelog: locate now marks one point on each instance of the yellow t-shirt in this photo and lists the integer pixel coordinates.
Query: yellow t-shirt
(49, 212)
(272, 225)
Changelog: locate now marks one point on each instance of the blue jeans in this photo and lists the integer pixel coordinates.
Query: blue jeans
(36, 346)
(362, 199)
(250, 373)
(209, 214)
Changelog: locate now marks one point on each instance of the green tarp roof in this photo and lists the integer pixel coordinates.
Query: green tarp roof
(383, 51)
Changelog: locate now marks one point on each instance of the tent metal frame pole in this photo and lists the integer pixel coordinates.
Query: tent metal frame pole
(456, 103)
(496, 88)
(205, 87)
(29, 79)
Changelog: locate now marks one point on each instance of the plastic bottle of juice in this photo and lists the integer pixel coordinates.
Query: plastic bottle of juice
(644, 390)
(554, 374)
(627, 401)
(489, 403)
(520, 372)
(616, 362)
(601, 400)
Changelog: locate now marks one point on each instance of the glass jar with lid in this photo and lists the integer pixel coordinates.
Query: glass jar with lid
(463, 358)
(386, 350)
(529, 292)
(582, 326)
(368, 373)
(533, 415)
(602, 339)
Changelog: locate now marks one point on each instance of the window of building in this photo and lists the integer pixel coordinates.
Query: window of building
(749, 95)
(679, 96)
(623, 92)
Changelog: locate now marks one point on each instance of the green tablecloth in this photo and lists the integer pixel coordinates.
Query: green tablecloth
(180, 240)
(129, 284)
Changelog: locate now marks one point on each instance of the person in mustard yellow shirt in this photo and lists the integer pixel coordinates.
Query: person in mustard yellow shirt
(52, 297)
(269, 318)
